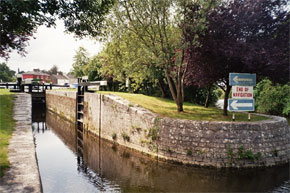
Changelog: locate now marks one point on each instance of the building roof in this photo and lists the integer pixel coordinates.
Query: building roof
(36, 73)
(70, 76)
(58, 76)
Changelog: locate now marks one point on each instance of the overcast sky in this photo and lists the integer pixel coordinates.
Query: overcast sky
(51, 47)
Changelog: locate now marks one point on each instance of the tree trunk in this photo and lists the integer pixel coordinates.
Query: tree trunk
(179, 104)
(228, 89)
(179, 92)
(161, 87)
(176, 92)
(207, 97)
(170, 84)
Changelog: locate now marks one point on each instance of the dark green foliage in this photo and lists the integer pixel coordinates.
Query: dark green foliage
(230, 154)
(248, 154)
(114, 136)
(125, 136)
(154, 132)
(93, 69)
(6, 75)
(188, 152)
(242, 154)
(18, 22)
(272, 99)
(169, 151)
(19, 19)
(275, 153)
(258, 156)
(84, 17)
(196, 95)
(54, 70)
(242, 36)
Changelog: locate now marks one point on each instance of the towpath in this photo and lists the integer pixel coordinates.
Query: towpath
(23, 175)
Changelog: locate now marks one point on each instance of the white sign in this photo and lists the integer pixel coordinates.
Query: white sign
(242, 92)
(241, 105)
(242, 79)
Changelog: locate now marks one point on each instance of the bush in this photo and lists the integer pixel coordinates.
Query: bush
(272, 99)
(198, 95)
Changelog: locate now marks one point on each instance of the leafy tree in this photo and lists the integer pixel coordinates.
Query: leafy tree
(54, 70)
(272, 99)
(93, 69)
(242, 36)
(200, 95)
(20, 19)
(125, 58)
(81, 59)
(6, 75)
(156, 25)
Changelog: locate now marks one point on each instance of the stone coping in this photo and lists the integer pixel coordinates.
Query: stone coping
(126, 102)
(23, 174)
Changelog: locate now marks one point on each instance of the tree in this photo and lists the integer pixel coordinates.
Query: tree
(272, 99)
(6, 75)
(93, 69)
(125, 58)
(81, 59)
(20, 19)
(156, 25)
(54, 70)
(242, 36)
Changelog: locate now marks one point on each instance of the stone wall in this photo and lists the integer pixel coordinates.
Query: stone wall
(62, 102)
(121, 122)
(225, 144)
(217, 144)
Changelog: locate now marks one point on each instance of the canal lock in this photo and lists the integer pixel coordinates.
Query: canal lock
(140, 173)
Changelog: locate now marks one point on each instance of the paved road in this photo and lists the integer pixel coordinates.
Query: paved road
(23, 175)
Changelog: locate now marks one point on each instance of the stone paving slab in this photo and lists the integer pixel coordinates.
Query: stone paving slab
(23, 175)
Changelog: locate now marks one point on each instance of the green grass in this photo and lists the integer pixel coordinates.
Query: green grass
(5, 92)
(6, 127)
(167, 108)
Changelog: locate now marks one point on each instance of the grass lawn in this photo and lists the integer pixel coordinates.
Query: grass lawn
(166, 107)
(6, 126)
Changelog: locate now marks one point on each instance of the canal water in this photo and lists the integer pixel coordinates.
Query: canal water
(105, 167)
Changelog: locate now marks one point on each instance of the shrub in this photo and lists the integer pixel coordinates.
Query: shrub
(198, 95)
(272, 99)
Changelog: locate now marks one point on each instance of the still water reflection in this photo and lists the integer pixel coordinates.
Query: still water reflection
(111, 168)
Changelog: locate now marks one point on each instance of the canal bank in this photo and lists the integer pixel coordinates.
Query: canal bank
(202, 143)
(23, 174)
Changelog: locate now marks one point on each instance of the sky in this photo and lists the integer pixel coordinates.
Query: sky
(51, 47)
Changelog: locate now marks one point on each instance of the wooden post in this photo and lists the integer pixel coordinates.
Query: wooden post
(30, 88)
(100, 133)
(22, 88)
(233, 116)
(249, 116)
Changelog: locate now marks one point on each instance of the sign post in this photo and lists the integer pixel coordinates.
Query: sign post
(242, 93)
